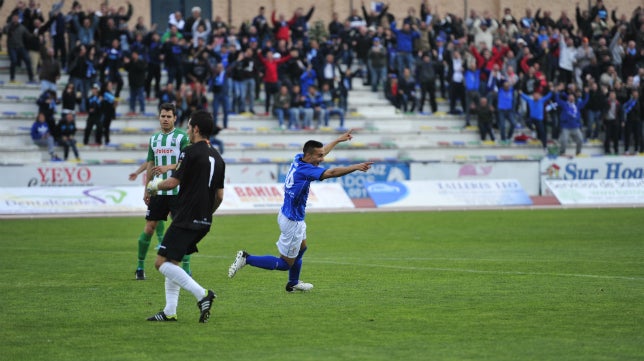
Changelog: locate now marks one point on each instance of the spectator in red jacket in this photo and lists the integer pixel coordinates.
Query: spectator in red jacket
(271, 77)
(282, 27)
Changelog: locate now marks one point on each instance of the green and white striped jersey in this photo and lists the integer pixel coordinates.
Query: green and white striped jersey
(164, 149)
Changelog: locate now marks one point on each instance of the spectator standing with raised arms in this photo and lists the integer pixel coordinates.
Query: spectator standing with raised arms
(271, 75)
(570, 119)
(405, 46)
(536, 103)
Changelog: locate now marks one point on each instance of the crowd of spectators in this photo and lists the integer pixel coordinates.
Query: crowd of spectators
(514, 71)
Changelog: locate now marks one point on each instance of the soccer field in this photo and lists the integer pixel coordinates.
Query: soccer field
(461, 285)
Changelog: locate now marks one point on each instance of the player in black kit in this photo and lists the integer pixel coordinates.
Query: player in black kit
(200, 172)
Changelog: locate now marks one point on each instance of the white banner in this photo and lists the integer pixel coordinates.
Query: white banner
(526, 172)
(51, 200)
(604, 191)
(502, 192)
(76, 200)
(594, 168)
(251, 173)
(78, 175)
(270, 196)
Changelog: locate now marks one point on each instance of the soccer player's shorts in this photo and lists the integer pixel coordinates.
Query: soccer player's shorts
(159, 207)
(179, 242)
(293, 233)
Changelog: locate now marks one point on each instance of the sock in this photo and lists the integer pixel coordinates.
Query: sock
(267, 262)
(160, 230)
(171, 297)
(185, 264)
(294, 272)
(180, 277)
(144, 244)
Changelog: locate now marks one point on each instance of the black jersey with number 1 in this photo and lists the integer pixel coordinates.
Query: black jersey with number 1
(201, 171)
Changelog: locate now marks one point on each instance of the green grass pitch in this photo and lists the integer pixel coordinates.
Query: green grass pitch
(461, 285)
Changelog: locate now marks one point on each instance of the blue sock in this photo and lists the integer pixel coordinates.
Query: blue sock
(294, 272)
(267, 262)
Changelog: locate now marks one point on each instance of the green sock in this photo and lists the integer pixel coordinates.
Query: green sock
(185, 264)
(160, 230)
(144, 244)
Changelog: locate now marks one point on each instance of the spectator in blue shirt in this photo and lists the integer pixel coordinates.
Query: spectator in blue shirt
(329, 98)
(292, 241)
(41, 135)
(219, 88)
(570, 119)
(405, 46)
(307, 79)
(536, 103)
(505, 109)
(472, 86)
(313, 109)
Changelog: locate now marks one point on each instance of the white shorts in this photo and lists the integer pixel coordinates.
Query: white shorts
(291, 237)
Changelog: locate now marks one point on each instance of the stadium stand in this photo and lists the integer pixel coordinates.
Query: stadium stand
(384, 134)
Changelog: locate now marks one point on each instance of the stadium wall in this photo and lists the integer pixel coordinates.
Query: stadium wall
(242, 10)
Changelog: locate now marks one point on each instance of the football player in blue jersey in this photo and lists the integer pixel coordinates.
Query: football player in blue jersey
(292, 241)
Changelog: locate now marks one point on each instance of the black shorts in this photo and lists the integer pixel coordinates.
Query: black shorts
(160, 206)
(179, 242)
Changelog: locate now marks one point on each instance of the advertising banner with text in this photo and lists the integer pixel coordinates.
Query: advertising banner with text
(593, 168)
(77, 200)
(502, 192)
(602, 191)
(79, 175)
(526, 172)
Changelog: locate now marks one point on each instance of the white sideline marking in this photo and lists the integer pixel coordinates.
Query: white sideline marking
(509, 260)
(464, 270)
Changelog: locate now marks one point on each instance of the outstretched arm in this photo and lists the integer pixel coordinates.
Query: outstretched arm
(340, 171)
(343, 138)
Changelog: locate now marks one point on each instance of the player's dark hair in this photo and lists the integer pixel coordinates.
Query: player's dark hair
(204, 121)
(311, 145)
(168, 106)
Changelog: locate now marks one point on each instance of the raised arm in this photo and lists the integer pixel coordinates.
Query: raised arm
(343, 138)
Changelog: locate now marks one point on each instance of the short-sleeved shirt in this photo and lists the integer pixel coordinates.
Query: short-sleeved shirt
(201, 171)
(296, 187)
(164, 149)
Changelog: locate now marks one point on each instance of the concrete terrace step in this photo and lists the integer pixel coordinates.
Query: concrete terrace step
(371, 140)
(270, 154)
(124, 133)
(261, 124)
(261, 152)
(267, 152)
